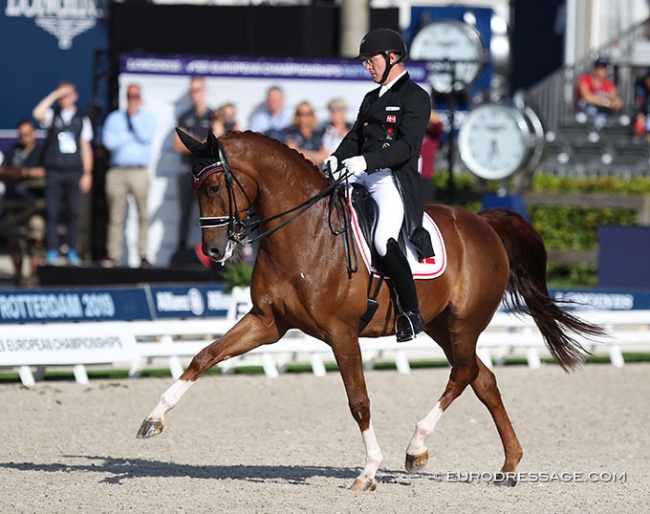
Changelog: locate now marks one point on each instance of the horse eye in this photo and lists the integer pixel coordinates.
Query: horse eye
(214, 189)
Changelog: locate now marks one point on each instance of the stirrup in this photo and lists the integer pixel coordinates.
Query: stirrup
(408, 325)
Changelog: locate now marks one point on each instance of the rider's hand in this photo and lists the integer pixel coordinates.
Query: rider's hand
(331, 164)
(355, 165)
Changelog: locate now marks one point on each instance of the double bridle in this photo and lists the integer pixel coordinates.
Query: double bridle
(238, 229)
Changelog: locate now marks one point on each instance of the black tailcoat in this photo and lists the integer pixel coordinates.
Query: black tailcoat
(388, 132)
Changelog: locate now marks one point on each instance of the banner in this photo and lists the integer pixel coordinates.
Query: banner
(64, 344)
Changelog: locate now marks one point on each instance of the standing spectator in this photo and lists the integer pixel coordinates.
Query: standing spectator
(128, 136)
(224, 119)
(68, 161)
(272, 118)
(196, 121)
(25, 157)
(428, 152)
(302, 135)
(597, 95)
(337, 127)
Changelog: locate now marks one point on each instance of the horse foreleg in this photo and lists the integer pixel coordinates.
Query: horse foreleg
(351, 369)
(249, 333)
(485, 387)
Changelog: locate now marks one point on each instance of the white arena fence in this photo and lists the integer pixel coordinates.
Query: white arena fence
(138, 345)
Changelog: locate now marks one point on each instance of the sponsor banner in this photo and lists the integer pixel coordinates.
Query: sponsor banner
(603, 300)
(595, 300)
(189, 301)
(66, 344)
(263, 68)
(57, 305)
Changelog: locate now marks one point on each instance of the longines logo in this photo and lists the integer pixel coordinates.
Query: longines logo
(64, 19)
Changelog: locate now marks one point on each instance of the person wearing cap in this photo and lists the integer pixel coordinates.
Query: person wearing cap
(597, 95)
(381, 152)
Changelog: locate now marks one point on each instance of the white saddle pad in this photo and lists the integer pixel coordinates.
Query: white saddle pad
(429, 268)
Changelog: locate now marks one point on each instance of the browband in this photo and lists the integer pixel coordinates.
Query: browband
(199, 177)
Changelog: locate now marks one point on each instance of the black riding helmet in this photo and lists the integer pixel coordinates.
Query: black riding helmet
(383, 41)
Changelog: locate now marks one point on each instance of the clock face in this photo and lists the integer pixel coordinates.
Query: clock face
(494, 141)
(449, 44)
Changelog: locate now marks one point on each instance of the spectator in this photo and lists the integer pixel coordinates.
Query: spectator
(272, 118)
(302, 135)
(224, 119)
(641, 126)
(597, 95)
(128, 135)
(68, 161)
(23, 163)
(642, 93)
(197, 122)
(428, 152)
(337, 127)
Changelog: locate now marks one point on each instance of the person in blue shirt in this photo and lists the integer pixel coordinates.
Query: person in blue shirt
(128, 136)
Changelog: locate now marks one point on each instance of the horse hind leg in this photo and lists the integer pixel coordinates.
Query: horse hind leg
(485, 387)
(461, 356)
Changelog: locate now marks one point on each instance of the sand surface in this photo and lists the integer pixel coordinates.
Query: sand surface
(251, 444)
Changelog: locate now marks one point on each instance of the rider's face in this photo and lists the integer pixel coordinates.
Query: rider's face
(376, 65)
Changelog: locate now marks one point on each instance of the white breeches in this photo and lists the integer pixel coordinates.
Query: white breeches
(382, 188)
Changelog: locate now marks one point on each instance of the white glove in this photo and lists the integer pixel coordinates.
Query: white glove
(355, 165)
(330, 162)
(333, 163)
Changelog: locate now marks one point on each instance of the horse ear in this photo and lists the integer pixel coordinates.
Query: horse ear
(190, 143)
(213, 144)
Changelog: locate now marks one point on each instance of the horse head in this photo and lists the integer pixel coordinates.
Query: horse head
(224, 198)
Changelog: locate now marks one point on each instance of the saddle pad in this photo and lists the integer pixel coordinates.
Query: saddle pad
(432, 268)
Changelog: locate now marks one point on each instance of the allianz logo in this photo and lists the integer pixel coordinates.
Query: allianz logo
(64, 19)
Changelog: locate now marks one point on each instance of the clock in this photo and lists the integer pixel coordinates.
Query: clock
(454, 51)
(496, 140)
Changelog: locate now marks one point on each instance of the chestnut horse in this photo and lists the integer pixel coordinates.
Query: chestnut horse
(300, 280)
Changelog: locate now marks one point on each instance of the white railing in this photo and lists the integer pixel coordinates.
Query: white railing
(172, 343)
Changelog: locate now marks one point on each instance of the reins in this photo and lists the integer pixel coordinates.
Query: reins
(239, 230)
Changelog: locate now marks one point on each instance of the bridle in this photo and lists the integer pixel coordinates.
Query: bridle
(239, 230)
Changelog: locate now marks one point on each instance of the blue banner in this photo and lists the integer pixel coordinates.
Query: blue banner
(190, 301)
(44, 305)
(199, 301)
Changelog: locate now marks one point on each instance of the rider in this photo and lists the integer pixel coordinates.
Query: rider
(381, 153)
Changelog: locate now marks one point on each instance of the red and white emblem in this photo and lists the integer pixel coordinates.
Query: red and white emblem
(391, 118)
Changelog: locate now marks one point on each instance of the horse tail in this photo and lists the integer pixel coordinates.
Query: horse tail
(529, 292)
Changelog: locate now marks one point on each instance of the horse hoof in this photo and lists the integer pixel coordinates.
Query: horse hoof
(506, 482)
(150, 428)
(364, 484)
(415, 463)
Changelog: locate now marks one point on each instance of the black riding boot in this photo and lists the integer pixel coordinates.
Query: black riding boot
(409, 322)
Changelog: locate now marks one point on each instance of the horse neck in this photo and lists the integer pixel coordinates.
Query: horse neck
(283, 185)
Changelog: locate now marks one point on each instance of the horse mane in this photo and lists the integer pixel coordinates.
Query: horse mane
(275, 146)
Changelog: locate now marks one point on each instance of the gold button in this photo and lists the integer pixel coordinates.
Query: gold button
(365, 124)
(385, 145)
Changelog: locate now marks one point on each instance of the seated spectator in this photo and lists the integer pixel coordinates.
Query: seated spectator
(26, 223)
(303, 136)
(224, 119)
(337, 127)
(597, 95)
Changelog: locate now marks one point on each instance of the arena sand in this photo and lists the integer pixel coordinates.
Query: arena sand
(251, 444)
